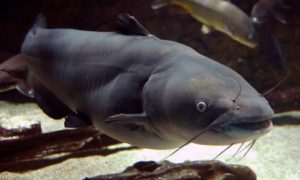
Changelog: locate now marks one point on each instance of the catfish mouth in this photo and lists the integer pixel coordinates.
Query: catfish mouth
(253, 126)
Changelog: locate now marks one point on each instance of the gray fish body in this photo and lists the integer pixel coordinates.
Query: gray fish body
(152, 85)
(220, 15)
(98, 81)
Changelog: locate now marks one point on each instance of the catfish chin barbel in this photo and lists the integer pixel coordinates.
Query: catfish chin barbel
(140, 89)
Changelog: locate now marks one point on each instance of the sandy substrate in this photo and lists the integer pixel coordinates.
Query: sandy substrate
(274, 156)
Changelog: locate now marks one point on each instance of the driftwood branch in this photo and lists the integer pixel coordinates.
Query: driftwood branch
(34, 151)
(209, 170)
(34, 129)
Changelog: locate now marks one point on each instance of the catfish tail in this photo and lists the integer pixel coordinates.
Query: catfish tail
(15, 75)
(7, 82)
(160, 3)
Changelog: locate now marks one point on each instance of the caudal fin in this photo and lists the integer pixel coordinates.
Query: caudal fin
(14, 75)
(160, 3)
(7, 82)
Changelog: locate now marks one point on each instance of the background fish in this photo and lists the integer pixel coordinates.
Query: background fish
(220, 15)
(269, 46)
(263, 9)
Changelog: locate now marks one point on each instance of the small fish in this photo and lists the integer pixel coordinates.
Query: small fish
(220, 15)
(263, 9)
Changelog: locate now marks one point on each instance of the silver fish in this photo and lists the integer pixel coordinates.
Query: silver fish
(219, 15)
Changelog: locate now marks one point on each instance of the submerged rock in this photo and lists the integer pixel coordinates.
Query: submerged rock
(37, 150)
(17, 126)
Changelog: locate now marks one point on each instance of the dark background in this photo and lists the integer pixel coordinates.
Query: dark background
(172, 23)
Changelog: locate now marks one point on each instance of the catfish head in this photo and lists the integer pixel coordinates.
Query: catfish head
(212, 105)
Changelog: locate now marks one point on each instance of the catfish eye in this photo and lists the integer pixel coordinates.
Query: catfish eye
(201, 106)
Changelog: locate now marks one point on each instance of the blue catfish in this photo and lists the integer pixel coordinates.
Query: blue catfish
(143, 90)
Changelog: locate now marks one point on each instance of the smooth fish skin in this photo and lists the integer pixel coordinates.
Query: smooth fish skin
(220, 15)
(145, 91)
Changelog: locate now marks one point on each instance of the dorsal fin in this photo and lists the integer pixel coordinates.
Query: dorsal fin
(40, 22)
(128, 25)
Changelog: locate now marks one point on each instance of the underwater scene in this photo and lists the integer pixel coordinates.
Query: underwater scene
(153, 89)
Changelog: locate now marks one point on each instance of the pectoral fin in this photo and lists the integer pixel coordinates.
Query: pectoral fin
(139, 119)
(133, 121)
